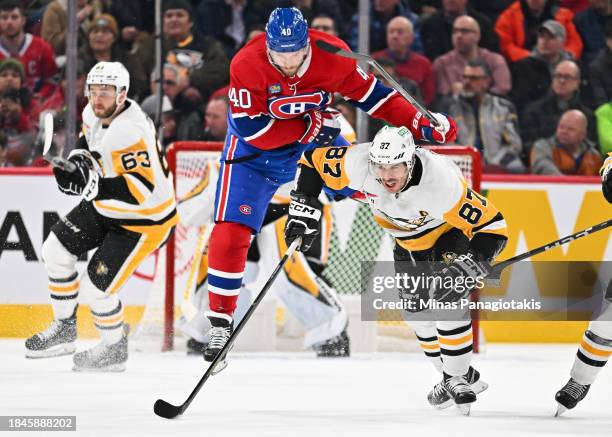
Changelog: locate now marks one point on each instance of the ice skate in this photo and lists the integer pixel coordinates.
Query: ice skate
(338, 346)
(460, 391)
(222, 328)
(103, 357)
(58, 339)
(569, 396)
(440, 399)
(195, 347)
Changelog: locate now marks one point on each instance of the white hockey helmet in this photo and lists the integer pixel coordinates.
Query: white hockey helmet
(109, 73)
(392, 146)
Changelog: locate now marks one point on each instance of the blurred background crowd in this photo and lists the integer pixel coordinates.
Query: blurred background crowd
(529, 82)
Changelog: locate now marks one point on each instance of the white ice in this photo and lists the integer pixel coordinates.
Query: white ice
(299, 395)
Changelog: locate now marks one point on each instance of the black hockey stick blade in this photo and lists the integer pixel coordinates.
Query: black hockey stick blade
(166, 410)
(169, 411)
(330, 48)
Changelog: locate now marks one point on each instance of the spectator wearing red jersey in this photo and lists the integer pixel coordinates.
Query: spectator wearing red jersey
(15, 124)
(408, 64)
(34, 53)
(517, 28)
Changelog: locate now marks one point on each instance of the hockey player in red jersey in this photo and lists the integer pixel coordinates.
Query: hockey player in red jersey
(281, 85)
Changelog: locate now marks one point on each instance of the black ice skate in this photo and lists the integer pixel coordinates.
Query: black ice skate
(222, 328)
(460, 391)
(339, 346)
(569, 396)
(58, 339)
(195, 347)
(103, 357)
(439, 398)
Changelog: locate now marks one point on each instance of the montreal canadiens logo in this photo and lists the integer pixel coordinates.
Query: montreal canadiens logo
(292, 106)
(245, 209)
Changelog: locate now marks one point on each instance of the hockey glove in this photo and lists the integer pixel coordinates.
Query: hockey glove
(303, 220)
(460, 277)
(444, 133)
(322, 128)
(70, 183)
(606, 184)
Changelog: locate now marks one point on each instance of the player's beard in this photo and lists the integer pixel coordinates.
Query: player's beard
(105, 113)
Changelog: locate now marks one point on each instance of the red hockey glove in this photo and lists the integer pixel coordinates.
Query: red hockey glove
(322, 127)
(444, 133)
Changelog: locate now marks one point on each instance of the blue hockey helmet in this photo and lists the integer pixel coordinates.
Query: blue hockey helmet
(287, 30)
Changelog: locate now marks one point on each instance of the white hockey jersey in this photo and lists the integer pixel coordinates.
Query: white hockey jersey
(128, 148)
(436, 199)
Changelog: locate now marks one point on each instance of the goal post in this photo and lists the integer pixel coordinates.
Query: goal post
(186, 160)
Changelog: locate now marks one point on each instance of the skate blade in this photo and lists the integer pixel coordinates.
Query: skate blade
(55, 351)
(479, 386)
(221, 365)
(560, 410)
(465, 409)
(120, 367)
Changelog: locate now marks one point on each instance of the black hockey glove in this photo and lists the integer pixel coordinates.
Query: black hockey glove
(322, 127)
(303, 220)
(460, 277)
(606, 186)
(83, 180)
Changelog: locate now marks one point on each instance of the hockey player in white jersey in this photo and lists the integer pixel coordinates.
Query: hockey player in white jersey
(301, 287)
(423, 201)
(127, 210)
(596, 345)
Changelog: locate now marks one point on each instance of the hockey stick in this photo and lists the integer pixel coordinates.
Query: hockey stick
(496, 270)
(330, 48)
(169, 411)
(55, 161)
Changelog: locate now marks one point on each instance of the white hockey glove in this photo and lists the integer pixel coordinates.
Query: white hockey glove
(463, 271)
(303, 220)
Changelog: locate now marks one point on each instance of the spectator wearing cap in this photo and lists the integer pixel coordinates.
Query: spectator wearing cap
(14, 122)
(102, 45)
(448, 68)
(34, 53)
(567, 152)
(381, 12)
(486, 121)
(531, 76)
(408, 64)
(517, 28)
(168, 121)
(591, 24)
(436, 30)
(202, 57)
(540, 118)
(601, 72)
(186, 106)
(55, 23)
(215, 119)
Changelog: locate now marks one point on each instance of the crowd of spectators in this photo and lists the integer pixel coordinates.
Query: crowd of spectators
(529, 82)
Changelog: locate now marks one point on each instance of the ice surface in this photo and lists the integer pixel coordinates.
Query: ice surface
(299, 395)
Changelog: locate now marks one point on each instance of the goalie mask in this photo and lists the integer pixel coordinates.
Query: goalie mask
(391, 158)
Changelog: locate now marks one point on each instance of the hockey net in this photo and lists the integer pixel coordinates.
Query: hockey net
(354, 238)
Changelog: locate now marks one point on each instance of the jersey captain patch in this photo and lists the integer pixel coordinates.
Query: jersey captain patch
(285, 107)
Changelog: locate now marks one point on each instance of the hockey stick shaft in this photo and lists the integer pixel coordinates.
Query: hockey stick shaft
(168, 411)
(496, 270)
(330, 48)
(55, 161)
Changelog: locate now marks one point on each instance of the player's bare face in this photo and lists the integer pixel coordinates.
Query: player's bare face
(393, 177)
(288, 62)
(103, 100)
